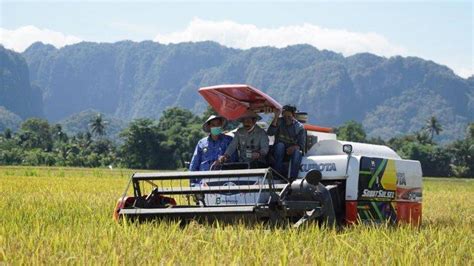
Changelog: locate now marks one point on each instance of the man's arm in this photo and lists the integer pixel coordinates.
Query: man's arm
(234, 156)
(232, 146)
(264, 144)
(196, 160)
(301, 138)
(273, 128)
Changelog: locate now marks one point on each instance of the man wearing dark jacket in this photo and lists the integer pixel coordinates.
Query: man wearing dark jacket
(290, 139)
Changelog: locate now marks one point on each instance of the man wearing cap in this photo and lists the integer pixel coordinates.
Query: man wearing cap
(250, 141)
(290, 139)
(209, 148)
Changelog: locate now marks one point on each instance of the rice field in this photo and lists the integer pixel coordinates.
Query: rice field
(64, 216)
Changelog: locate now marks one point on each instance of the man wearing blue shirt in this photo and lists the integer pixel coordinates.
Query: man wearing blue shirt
(209, 148)
(290, 139)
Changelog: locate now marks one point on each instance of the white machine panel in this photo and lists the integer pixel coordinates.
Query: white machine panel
(334, 147)
(352, 183)
(332, 167)
(409, 180)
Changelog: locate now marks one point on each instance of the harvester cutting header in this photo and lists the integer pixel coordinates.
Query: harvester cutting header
(302, 174)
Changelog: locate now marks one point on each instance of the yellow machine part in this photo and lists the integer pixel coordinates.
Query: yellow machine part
(389, 178)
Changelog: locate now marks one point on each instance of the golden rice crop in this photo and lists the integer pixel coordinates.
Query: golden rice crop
(63, 215)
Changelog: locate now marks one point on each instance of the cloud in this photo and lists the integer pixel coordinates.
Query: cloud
(464, 72)
(21, 38)
(245, 36)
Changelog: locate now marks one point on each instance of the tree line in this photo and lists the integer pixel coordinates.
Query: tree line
(169, 143)
(452, 159)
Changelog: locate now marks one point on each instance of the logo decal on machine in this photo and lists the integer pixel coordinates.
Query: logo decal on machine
(401, 179)
(378, 179)
(323, 167)
(367, 193)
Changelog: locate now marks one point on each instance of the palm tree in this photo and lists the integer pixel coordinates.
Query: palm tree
(470, 131)
(423, 137)
(8, 133)
(433, 127)
(58, 134)
(98, 125)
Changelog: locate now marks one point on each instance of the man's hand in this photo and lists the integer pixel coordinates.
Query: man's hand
(292, 149)
(222, 159)
(276, 114)
(255, 155)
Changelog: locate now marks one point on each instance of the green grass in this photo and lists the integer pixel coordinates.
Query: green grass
(64, 215)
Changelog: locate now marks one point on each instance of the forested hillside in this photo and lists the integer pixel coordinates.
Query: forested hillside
(16, 93)
(390, 96)
(8, 120)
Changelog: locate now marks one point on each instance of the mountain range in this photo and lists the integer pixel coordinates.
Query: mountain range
(127, 80)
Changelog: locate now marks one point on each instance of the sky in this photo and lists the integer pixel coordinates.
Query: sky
(441, 31)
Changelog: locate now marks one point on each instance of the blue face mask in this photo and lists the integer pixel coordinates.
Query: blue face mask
(216, 131)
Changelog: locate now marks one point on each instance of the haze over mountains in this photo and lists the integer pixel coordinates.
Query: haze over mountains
(127, 80)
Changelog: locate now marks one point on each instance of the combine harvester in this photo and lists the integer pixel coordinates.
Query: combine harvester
(339, 181)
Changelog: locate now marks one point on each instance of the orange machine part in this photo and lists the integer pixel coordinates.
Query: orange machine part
(317, 128)
(351, 212)
(409, 212)
(121, 203)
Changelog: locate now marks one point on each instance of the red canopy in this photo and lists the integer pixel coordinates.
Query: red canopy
(231, 101)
